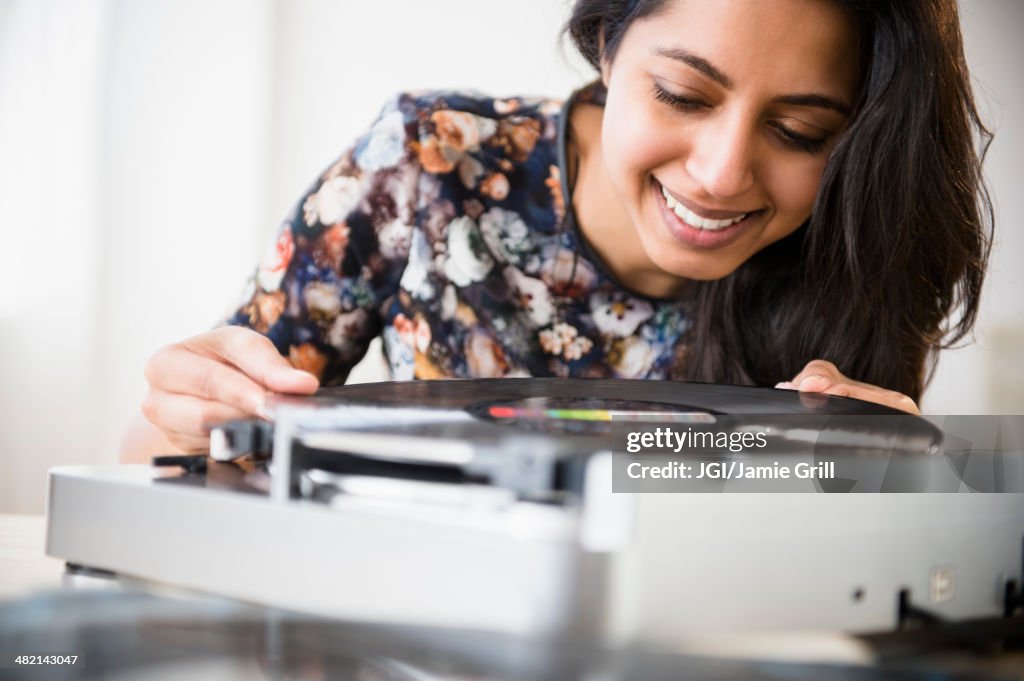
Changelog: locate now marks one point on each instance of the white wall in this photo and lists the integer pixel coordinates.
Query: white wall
(186, 112)
(50, 61)
(988, 376)
(139, 178)
(149, 147)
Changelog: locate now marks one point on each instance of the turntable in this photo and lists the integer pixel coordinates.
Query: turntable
(489, 506)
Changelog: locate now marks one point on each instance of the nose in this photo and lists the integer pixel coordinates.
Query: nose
(721, 156)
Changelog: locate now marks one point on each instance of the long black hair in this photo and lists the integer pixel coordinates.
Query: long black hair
(889, 267)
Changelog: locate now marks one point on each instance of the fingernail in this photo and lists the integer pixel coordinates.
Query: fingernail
(813, 382)
(785, 385)
(297, 375)
(262, 410)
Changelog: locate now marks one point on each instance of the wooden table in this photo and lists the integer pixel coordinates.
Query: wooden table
(24, 567)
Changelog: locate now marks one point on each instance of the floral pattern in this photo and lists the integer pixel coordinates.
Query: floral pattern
(443, 230)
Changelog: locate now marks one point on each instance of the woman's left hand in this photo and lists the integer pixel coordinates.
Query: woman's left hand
(820, 376)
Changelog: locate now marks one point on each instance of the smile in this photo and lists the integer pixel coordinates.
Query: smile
(707, 230)
(696, 221)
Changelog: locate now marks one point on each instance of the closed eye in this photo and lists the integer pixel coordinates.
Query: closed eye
(791, 139)
(678, 101)
(797, 141)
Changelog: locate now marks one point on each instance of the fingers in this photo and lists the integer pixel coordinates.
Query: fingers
(185, 421)
(823, 377)
(175, 369)
(188, 444)
(870, 393)
(256, 356)
(186, 413)
(818, 375)
(217, 376)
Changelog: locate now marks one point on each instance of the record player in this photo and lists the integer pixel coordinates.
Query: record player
(489, 506)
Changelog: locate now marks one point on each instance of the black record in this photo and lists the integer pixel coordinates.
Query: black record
(602, 393)
(588, 406)
(598, 407)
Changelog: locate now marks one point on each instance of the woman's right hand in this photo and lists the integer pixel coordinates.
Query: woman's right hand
(214, 377)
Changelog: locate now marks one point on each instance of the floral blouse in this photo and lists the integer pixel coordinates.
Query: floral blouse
(444, 230)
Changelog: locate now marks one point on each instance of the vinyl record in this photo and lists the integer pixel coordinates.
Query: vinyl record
(599, 407)
(611, 394)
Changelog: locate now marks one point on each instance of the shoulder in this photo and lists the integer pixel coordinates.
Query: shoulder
(482, 144)
(482, 106)
(449, 125)
(490, 152)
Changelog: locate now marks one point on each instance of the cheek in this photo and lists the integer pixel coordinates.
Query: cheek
(634, 144)
(793, 186)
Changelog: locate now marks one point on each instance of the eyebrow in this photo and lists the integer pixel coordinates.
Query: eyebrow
(705, 67)
(815, 100)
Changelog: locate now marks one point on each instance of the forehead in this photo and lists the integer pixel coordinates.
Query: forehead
(792, 44)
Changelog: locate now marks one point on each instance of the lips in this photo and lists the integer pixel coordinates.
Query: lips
(693, 219)
(714, 229)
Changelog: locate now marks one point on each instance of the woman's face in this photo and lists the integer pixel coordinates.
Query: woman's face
(719, 119)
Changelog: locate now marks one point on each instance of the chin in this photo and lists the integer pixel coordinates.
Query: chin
(684, 264)
(694, 271)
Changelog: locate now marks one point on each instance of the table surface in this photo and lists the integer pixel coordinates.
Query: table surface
(24, 565)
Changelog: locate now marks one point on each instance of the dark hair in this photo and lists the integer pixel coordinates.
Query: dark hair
(889, 267)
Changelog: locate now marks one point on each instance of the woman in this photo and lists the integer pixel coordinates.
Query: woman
(784, 193)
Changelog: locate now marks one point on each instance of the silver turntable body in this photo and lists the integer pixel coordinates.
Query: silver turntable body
(466, 524)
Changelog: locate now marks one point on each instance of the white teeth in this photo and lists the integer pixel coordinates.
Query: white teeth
(668, 199)
(694, 220)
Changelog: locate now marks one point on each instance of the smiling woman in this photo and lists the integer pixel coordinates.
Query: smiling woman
(715, 132)
(814, 165)
(742, 197)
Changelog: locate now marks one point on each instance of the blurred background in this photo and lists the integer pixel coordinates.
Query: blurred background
(149, 148)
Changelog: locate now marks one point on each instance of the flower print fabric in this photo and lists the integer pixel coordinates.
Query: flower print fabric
(444, 231)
